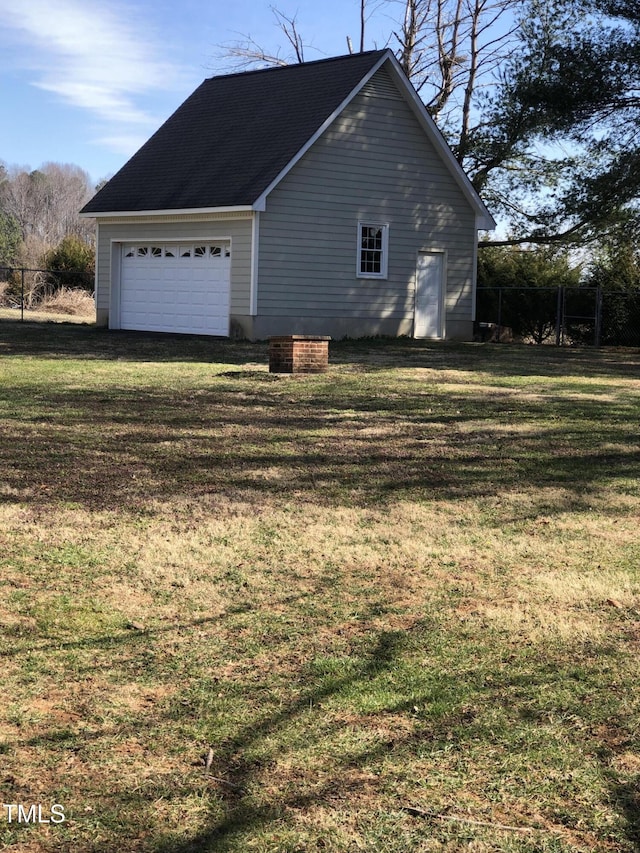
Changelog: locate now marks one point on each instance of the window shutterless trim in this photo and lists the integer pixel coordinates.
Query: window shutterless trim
(372, 249)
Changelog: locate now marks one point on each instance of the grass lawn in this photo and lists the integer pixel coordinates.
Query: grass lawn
(394, 607)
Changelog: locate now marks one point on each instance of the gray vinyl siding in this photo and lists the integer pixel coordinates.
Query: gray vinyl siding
(374, 164)
(188, 228)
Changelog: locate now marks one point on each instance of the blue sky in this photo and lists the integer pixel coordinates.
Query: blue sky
(88, 81)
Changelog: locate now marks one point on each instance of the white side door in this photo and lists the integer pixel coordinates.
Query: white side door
(429, 308)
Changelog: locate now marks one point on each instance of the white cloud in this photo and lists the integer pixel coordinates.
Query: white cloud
(96, 58)
(125, 144)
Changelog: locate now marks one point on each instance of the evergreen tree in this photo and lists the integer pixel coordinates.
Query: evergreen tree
(573, 85)
(9, 239)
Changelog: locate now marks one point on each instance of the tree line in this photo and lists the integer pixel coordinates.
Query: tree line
(40, 226)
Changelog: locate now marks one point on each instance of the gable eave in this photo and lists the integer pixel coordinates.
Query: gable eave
(114, 214)
(261, 201)
(484, 219)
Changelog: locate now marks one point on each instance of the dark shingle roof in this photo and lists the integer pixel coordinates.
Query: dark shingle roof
(232, 137)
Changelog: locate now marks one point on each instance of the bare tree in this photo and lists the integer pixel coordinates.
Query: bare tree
(451, 51)
(45, 204)
(247, 53)
(70, 188)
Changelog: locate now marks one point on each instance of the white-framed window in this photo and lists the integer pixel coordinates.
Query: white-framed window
(373, 249)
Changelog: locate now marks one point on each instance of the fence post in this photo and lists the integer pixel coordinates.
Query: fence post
(559, 317)
(499, 316)
(22, 295)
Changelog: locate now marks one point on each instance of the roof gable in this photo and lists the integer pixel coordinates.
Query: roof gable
(232, 137)
(236, 137)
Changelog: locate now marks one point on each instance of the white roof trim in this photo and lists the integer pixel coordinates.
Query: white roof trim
(484, 220)
(240, 208)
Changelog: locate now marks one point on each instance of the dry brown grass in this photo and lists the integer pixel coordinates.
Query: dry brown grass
(67, 304)
(4, 287)
(69, 301)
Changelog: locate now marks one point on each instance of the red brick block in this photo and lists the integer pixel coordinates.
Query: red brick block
(299, 354)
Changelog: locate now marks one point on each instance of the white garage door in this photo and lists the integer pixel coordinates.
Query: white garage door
(176, 287)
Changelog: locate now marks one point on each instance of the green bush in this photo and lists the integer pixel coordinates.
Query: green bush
(521, 287)
(616, 271)
(73, 263)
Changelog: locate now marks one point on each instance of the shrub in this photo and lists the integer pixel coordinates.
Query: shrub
(521, 285)
(73, 261)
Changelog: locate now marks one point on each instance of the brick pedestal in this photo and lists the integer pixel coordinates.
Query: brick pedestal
(299, 354)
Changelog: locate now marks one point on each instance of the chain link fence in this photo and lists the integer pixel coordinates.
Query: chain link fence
(565, 316)
(29, 292)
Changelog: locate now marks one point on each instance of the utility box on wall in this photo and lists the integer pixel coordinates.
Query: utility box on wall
(299, 354)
